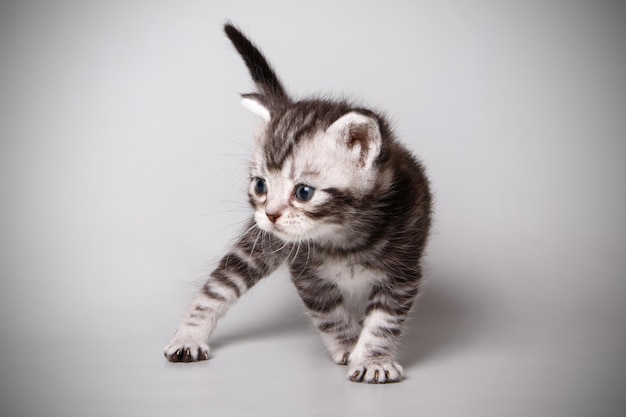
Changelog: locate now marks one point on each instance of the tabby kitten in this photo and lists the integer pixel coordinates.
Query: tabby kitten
(344, 205)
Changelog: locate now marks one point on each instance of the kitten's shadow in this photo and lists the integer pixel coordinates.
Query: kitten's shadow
(442, 321)
(291, 321)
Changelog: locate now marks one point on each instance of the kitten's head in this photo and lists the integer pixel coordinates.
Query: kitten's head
(314, 161)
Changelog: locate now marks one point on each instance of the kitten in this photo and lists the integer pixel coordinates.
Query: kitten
(339, 201)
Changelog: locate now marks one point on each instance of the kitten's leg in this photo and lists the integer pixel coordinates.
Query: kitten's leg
(373, 358)
(339, 330)
(248, 262)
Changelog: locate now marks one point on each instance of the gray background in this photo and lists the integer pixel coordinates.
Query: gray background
(122, 176)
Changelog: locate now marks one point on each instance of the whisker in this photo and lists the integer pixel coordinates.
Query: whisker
(308, 249)
(243, 235)
(213, 213)
(297, 248)
(233, 225)
(258, 235)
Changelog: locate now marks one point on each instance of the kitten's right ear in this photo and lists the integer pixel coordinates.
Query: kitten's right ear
(254, 103)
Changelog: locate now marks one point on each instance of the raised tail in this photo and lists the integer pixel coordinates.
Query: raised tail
(262, 74)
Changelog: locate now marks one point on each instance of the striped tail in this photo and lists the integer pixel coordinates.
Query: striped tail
(262, 74)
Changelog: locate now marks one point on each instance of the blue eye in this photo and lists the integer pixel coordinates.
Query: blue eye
(304, 192)
(260, 187)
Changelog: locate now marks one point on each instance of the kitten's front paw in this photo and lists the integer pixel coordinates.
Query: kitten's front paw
(341, 357)
(181, 350)
(382, 371)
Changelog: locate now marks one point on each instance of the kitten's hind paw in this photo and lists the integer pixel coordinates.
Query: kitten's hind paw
(376, 372)
(178, 352)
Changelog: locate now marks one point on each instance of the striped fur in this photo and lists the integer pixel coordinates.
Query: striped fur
(353, 241)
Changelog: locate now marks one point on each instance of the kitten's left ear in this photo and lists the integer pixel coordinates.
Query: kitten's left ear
(255, 104)
(360, 135)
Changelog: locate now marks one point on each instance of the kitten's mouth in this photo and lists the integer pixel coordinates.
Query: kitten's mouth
(286, 233)
(283, 235)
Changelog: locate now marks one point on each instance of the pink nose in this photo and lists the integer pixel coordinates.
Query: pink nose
(273, 216)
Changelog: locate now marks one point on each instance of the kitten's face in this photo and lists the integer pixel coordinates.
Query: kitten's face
(308, 197)
(292, 201)
(312, 164)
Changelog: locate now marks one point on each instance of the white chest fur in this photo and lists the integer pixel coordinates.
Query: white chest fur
(350, 278)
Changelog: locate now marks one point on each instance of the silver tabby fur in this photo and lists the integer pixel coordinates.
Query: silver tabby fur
(353, 245)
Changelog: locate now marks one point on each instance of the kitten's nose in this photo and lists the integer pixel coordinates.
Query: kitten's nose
(273, 216)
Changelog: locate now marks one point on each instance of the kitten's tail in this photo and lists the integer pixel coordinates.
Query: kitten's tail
(262, 74)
